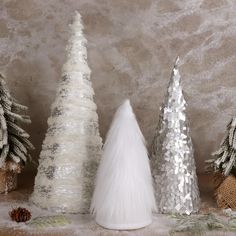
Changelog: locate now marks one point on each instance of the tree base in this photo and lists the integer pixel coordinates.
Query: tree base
(218, 179)
(8, 181)
(226, 193)
(131, 226)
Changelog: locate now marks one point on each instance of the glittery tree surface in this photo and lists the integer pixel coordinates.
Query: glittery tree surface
(72, 146)
(172, 157)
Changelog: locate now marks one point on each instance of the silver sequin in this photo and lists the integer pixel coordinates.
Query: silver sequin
(172, 158)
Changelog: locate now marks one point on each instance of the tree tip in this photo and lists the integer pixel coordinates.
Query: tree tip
(77, 14)
(126, 102)
(177, 61)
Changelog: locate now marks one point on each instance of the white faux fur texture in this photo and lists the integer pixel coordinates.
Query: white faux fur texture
(123, 196)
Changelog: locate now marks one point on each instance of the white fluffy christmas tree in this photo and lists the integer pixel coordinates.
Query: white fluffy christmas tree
(72, 147)
(123, 197)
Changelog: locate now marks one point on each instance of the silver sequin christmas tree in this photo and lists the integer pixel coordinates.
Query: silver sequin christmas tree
(172, 158)
(72, 146)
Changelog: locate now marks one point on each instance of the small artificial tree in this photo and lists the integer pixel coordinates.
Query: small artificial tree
(123, 198)
(224, 166)
(172, 158)
(225, 157)
(14, 143)
(72, 147)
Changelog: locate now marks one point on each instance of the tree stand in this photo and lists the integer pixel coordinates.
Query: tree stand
(226, 193)
(8, 177)
(8, 181)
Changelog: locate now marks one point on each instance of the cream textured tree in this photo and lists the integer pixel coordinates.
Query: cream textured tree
(172, 158)
(123, 197)
(72, 146)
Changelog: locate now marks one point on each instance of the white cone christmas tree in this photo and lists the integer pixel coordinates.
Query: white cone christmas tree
(71, 149)
(123, 197)
(172, 158)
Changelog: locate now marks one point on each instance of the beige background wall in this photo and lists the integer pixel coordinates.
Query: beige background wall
(132, 47)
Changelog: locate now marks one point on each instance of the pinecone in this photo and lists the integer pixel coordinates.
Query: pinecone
(20, 214)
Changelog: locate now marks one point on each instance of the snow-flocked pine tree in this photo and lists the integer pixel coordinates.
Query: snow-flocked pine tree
(14, 143)
(72, 146)
(225, 161)
(123, 197)
(172, 158)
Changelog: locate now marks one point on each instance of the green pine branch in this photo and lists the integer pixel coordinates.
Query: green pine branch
(225, 156)
(14, 143)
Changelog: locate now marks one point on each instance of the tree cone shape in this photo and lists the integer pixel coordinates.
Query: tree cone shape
(123, 198)
(172, 157)
(226, 193)
(72, 146)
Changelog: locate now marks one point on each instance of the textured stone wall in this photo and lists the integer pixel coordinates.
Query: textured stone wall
(132, 47)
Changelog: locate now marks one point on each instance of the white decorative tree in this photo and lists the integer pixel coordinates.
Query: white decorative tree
(123, 196)
(72, 147)
(172, 158)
